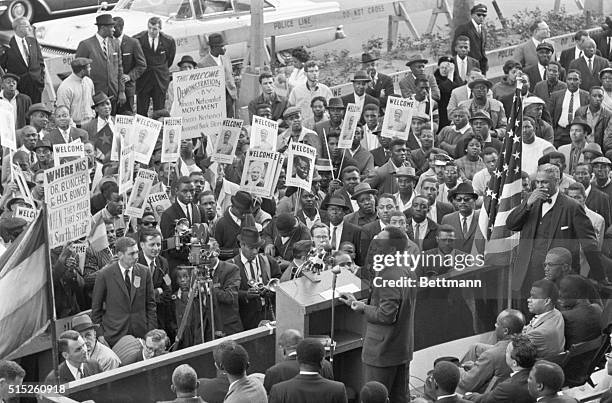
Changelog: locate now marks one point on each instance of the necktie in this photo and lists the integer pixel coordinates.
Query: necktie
(128, 283)
(105, 48)
(462, 69)
(188, 215)
(591, 65)
(570, 112)
(333, 240)
(580, 55)
(479, 29)
(252, 269)
(80, 374)
(417, 235)
(544, 75)
(26, 51)
(464, 227)
(32, 159)
(152, 266)
(153, 44)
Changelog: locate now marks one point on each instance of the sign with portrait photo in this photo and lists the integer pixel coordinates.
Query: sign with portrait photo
(122, 134)
(144, 138)
(159, 202)
(263, 134)
(349, 125)
(300, 165)
(398, 117)
(126, 169)
(63, 153)
(140, 191)
(171, 139)
(227, 141)
(259, 172)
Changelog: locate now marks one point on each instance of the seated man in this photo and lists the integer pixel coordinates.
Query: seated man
(11, 373)
(72, 347)
(582, 319)
(443, 382)
(97, 351)
(485, 362)
(547, 329)
(545, 381)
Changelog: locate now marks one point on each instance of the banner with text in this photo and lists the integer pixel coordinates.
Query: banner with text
(259, 172)
(63, 153)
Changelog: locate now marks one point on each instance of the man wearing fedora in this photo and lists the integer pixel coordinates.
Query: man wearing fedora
(77, 91)
(255, 268)
(296, 132)
(216, 57)
(579, 132)
(365, 198)
(38, 117)
(465, 219)
(406, 180)
(159, 50)
(20, 102)
(98, 352)
(477, 34)
(100, 129)
(600, 119)
(303, 93)
(359, 97)
(381, 85)
(336, 108)
(228, 226)
(24, 58)
(106, 64)
(76, 365)
(134, 65)
(417, 69)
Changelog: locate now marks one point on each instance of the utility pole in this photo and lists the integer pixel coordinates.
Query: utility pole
(461, 15)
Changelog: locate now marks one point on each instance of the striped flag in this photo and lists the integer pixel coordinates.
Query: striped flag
(24, 272)
(503, 194)
(97, 238)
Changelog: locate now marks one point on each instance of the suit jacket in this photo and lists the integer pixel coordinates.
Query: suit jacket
(602, 131)
(526, 54)
(512, 390)
(119, 312)
(175, 212)
(542, 91)
(246, 390)
(603, 47)
(106, 72)
(471, 63)
(369, 99)
(226, 281)
(562, 399)
(90, 367)
(55, 137)
(429, 240)
(547, 334)
(490, 363)
(408, 87)
(380, 156)
(308, 389)
(23, 103)
(477, 43)
(161, 279)
(302, 217)
(589, 79)
(133, 59)
(290, 368)
(213, 390)
(533, 72)
(599, 202)
(581, 323)
(570, 224)
(462, 242)
(383, 82)
(354, 234)
(383, 179)
(32, 74)
(158, 61)
(555, 107)
(442, 209)
(567, 56)
(363, 158)
(230, 83)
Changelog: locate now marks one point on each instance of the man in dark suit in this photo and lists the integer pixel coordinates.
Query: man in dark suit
(545, 225)
(381, 85)
(383, 178)
(63, 132)
(76, 365)
(123, 300)
(254, 303)
(544, 89)
(159, 51)
(462, 61)
(545, 382)
(581, 318)
(106, 62)
(213, 390)
(520, 357)
(134, 64)
(596, 200)
(420, 228)
(438, 209)
(560, 110)
(342, 231)
(589, 65)
(537, 72)
(309, 385)
(21, 102)
(465, 220)
(389, 316)
(604, 40)
(23, 57)
(443, 382)
(281, 234)
(289, 367)
(569, 55)
(360, 97)
(475, 31)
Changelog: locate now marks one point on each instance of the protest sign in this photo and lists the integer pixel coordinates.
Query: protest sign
(80, 249)
(349, 125)
(7, 126)
(199, 97)
(67, 199)
(126, 169)
(263, 134)
(171, 139)
(142, 187)
(124, 127)
(144, 138)
(63, 153)
(19, 177)
(28, 214)
(225, 148)
(300, 165)
(159, 202)
(259, 172)
(398, 117)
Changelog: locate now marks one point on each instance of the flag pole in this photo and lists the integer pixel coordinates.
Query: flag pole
(51, 299)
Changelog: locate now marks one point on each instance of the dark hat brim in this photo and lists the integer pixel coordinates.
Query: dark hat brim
(486, 82)
(102, 101)
(584, 125)
(359, 193)
(258, 244)
(452, 195)
(364, 61)
(411, 62)
(85, 326)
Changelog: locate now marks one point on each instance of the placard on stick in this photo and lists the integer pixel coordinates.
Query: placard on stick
(171, 139)
(140, 191)
(227, 141)
(349, 125)
(126, 169)
(398, 117)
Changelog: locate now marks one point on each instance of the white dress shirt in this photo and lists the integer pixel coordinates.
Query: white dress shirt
(433, 212)
(462, 66)
(75, 371)
(123, 269)
(565, 107)
(186, 208)
(359, 100)
(247, 268)
(546, 207)
(338, 229)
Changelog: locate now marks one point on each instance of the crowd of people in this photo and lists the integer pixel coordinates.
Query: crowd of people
(423, 195)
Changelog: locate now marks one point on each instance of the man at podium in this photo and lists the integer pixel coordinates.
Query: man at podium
(389, 316)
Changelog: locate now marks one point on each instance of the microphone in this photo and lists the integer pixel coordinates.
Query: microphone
(336, 270)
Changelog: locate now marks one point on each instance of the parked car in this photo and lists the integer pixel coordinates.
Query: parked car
(34, 10)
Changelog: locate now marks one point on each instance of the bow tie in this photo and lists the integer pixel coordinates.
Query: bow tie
(549, 200)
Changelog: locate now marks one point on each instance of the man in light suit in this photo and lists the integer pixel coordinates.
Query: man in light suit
(465, 220)
(123, 299)
(526, 52)
(213, 390)
(216, 57)
(159, 50)
(417, 68)
(359, 96)
(547, 329)
(63, 133)
(242, 389)
(589, 65)
(134, 64)
(381, 85)
(76, 365)
(548, 219)
(106, 64)
(474, 30)
(23, 57)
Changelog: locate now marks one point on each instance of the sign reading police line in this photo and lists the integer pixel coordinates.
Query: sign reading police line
(67, 200)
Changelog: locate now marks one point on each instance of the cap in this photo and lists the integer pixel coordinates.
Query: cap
(290, 111)
(39, 107)
(545, 46)
(80, 61)
(416, 59)
(601, 160)
(11, 75)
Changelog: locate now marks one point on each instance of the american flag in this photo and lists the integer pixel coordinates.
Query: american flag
(503, 194)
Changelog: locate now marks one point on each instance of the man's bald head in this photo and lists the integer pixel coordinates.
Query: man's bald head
(511, 319)
(290, 338)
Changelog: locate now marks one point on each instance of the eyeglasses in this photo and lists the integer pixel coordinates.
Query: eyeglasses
(481, 14)
(149, 223)
(463, 199)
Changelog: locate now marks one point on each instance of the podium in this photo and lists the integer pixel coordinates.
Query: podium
(300, 305)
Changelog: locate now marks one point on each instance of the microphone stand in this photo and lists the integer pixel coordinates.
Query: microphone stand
(332, 348)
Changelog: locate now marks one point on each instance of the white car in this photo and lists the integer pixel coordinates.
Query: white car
(190, 22)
